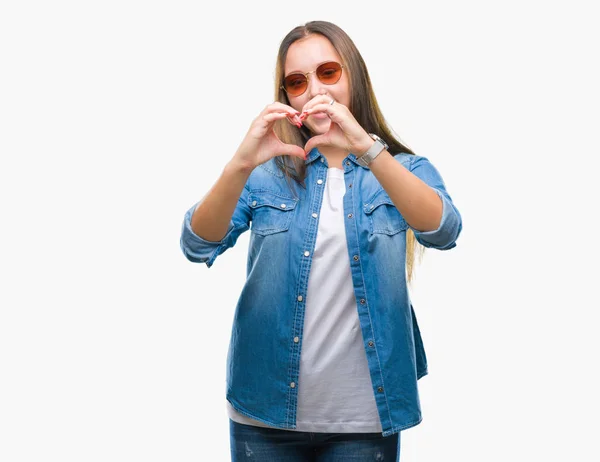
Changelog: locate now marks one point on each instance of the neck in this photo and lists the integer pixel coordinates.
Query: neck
(333, 155)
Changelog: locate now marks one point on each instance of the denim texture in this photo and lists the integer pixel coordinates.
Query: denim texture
(248, 442)
(263, 359)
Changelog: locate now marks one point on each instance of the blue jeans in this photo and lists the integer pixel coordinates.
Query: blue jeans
(251, 443)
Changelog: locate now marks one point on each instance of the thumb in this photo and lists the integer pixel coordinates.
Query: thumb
(293, 150)
(313, 142)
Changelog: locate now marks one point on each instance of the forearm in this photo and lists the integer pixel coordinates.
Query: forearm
(213, 215)
(418, 203)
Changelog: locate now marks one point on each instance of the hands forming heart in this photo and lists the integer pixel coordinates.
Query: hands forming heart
(261, 143)
(344, 131)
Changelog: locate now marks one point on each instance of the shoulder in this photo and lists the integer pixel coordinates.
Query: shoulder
(411, 161)
(404, 158)
(264, 174)
(268, 177)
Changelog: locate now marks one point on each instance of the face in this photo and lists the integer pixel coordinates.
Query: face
(304, 56)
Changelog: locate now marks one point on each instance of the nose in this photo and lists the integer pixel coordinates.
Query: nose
(315, 86)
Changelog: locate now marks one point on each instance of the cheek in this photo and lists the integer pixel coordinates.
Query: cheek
(297, 103)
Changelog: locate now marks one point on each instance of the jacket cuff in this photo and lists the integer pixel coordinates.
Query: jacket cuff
(444, 237)
(197, 249)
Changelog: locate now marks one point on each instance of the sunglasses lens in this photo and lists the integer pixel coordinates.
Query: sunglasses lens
(329, 73)
(295, 84)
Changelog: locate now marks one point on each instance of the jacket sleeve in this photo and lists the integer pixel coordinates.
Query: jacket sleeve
(200, 250)
(444, 237)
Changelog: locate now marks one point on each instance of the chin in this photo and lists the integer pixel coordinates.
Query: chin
(320, 127)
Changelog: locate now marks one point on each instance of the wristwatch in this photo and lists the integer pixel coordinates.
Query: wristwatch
(378, 147)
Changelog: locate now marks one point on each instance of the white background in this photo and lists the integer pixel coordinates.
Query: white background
(117, 116)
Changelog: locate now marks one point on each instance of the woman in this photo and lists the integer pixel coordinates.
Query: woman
(325, 349)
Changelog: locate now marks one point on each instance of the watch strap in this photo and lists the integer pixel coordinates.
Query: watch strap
(377, 148)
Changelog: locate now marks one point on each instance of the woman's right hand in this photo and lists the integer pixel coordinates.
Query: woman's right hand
(261, 143)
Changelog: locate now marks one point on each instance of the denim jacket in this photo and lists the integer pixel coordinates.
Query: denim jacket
(263, 359)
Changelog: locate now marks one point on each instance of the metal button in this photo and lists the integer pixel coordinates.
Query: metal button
(254, 203)
(314, 215)
(307, 253)
(296, 339)
(379, 389)
(350, 215)
(299, 298)
(347, 162)
(362, 301)
(293, 385)
(322, 160)
(319, 181)
(355, 257)
(350, 185)
(371, 343)
(372, 207)
(283, 206)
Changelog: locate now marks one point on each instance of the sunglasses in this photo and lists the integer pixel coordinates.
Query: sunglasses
(328, 73)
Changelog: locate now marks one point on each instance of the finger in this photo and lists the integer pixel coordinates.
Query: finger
(280, 107)
(318, 140)
(319, 99)
(319, 108)
(328, 108)
(295, 120)
(293, 150)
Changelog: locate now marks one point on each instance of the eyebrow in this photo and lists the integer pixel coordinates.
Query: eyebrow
(300, 72)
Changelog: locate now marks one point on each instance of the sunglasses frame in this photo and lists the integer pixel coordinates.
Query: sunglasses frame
(313, 72)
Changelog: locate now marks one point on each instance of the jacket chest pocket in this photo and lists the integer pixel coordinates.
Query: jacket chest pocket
(271, 213)
(383, 216)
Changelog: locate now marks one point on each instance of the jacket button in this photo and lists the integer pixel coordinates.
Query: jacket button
(283, 206)
(371, 343)
(362, 301)
(314, 215)
(254, 203)
(293, 385)
(379, 389)
(299, 298)
(349, 215)
(355, 257)
(296, 339)
(319, 181)
(307, 253)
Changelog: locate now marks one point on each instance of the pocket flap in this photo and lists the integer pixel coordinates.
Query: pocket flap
(387, 219)
(379, 198)
(258, 199)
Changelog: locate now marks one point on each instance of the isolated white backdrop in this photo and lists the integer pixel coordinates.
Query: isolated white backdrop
(117, 116)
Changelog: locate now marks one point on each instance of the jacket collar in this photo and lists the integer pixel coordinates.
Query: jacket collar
(315, 154)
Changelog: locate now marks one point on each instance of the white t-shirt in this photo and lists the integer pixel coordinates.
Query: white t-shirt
(335, 393)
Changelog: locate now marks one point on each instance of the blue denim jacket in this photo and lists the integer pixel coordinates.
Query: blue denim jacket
(263, 359)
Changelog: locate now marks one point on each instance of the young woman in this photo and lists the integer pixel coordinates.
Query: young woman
(325, 349)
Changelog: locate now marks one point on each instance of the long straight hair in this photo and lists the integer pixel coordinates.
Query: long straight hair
(363, 106)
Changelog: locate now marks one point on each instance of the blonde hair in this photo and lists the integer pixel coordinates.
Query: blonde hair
(363, 106)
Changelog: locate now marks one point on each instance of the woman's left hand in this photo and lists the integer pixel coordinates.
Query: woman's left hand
(344, 131)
